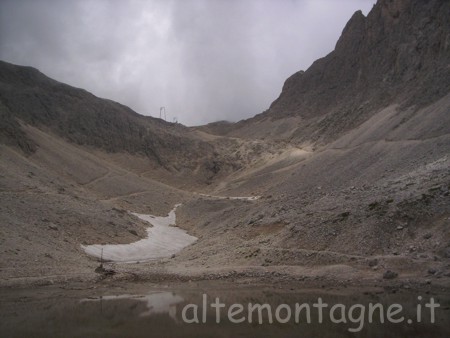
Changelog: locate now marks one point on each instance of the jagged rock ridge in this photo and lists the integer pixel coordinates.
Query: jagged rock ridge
(399, 53)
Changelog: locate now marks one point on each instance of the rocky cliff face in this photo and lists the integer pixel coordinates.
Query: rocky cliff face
(399, 53)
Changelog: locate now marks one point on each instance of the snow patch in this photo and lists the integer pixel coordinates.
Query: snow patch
(163, 240)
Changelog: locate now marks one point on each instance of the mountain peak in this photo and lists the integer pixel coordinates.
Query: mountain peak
(353, 32)
(398, 54)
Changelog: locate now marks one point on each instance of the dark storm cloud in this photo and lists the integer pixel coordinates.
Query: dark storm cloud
(205, 60)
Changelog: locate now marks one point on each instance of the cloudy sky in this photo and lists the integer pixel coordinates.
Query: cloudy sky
(204, 60)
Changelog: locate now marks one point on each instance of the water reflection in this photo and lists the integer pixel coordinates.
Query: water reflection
(140, 311)
(156, 303)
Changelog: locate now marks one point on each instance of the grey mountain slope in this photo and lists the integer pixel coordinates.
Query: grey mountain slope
(398, 54)
(358, 184)
(82, 118)
(28, 97)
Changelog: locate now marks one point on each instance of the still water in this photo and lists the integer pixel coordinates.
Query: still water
(149, 311)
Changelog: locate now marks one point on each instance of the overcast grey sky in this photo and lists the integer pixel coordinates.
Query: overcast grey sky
(204, 60)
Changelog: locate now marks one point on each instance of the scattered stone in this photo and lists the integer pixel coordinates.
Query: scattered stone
(374, 205)
(447, 253)
(343, 216)
(427, 235)
(390, 274)
(399, 227)
(121, 211)
(105, 272)
(133, 232)
(432, 271)
(53, 227)
(373, 262)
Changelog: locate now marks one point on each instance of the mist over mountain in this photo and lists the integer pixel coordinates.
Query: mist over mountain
(203, 60)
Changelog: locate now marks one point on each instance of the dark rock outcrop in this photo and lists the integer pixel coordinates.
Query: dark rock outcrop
(398, 54)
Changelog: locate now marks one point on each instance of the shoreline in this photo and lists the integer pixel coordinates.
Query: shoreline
(241, 277)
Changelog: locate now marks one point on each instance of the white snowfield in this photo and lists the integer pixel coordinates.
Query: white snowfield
(243, 198)
(163, 240)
